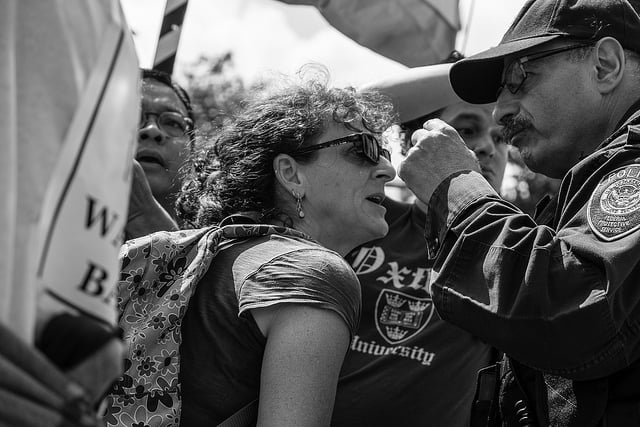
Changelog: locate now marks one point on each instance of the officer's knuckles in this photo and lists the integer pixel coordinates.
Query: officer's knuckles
(419, 137)
(435, 125)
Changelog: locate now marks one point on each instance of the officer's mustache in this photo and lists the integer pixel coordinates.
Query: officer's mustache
(514, 125)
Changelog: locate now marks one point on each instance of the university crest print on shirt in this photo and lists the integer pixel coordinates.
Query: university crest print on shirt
(400, 316)
(403, 307)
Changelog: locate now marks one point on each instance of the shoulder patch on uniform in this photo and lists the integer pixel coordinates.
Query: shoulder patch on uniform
(614, 207)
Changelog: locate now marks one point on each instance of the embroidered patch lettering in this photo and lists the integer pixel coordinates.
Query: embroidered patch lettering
(614, 208)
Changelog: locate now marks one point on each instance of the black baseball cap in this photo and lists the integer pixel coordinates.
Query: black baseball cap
(476, 79)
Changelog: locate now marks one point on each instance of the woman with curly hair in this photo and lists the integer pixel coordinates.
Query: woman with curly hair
(272, 316)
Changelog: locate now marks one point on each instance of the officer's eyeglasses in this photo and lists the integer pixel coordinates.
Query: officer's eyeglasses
(172, 123)
(367, 145)
(515, 74)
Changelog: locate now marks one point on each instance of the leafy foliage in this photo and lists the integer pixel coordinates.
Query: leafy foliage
(216, 90)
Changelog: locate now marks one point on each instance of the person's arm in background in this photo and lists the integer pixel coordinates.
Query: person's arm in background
(301, 364)
(146, 215)
(418, 91)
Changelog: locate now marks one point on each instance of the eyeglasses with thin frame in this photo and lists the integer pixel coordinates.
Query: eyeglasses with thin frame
(515, 74)
(172, 123)
(367, 145)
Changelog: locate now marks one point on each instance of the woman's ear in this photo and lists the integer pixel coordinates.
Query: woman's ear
(289, 174)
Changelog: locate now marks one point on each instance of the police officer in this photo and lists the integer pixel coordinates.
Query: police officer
(559, 295)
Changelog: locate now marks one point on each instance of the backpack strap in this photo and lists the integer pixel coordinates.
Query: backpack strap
(244, 417)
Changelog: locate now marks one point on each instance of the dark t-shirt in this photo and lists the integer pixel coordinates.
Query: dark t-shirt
(222, 349)
(405, 365)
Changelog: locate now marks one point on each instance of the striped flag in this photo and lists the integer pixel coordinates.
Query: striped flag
(169, 38)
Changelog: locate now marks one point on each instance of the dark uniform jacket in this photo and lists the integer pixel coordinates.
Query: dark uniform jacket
(563, 298)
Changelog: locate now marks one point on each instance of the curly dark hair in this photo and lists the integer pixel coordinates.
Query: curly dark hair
(233, 172)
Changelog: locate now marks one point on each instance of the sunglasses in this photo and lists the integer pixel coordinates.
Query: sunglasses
(515, 74)
(366, 144)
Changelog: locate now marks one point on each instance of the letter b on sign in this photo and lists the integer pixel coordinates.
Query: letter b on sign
(95, 280)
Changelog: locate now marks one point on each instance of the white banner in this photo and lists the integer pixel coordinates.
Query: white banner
(85, 209)
(68, 120)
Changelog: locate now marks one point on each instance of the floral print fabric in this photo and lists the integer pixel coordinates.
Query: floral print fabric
(159, 274)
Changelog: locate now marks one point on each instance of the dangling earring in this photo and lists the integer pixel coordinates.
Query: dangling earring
(298, 198)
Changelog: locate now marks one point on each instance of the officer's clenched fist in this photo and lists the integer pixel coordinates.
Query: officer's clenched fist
(437, 152)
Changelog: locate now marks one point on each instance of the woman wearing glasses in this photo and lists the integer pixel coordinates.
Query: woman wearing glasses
(165, 139)
(272, 317)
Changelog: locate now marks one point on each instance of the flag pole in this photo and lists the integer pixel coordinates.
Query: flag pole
(169, 37)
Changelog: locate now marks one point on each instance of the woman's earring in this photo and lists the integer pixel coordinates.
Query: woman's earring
(298, 198)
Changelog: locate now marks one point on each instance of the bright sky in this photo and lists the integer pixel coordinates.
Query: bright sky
(266, 35)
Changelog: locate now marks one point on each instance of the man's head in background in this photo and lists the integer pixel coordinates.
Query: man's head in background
(476, 126)
(165, 135)
(479, 131)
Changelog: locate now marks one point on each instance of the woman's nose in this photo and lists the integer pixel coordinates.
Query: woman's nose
(385, 170)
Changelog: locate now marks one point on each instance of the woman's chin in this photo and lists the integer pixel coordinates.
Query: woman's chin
(375, 233)
(384, 229)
